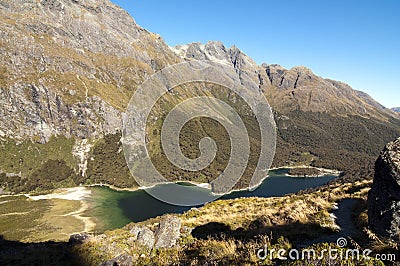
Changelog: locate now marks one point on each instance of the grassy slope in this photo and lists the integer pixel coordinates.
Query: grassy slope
(229, 232)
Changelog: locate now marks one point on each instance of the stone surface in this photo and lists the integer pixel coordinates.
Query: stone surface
(146, 237)
(292, 89)
(79, 238)
(68, 67)
(121, 260)
(384, 196)
(135, 232)
(168, 232)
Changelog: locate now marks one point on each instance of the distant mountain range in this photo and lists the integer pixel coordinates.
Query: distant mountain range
(68, 69)
(396, 109)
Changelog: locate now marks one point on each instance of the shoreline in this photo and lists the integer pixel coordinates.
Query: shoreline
(113, 187)
(322, 172)
(71, 190)
(79, 194)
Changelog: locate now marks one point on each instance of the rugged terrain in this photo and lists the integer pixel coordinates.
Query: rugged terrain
(220, 234)
(67, 71)
(384, 197)
(69, 68)
(396, 109)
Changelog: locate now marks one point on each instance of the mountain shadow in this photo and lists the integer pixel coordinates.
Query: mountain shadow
(46, 253)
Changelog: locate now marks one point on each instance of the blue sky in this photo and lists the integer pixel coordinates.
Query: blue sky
(356, 42)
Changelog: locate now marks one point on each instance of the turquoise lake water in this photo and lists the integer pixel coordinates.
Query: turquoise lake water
(114, 209)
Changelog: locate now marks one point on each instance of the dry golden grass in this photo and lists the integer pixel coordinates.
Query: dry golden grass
(309, 211)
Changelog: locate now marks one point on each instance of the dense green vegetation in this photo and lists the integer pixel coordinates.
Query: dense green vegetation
(24, 157)
(50, 175)
(347, 143)
(198, 128)
(33, 166)
(306, 172)
(107, 164)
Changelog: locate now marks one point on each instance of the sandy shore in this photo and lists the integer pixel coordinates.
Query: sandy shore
(90, 225)
(76, 194)
(322, 170)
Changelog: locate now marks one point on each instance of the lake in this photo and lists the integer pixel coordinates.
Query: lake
(114, 209)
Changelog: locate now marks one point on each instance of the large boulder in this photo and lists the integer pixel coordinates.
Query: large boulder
(168, 232)
(384, 196)
(135, 232)
(146, 237)
(79, 238)
(121, 260)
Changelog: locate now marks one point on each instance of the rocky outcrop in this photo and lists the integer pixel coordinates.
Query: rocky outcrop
(384, 196)
(69, 67)
(168, 232)
(165, 236)
(292, 89)
(121, 260)
(79, 238)
(146, 237)
(143, 236)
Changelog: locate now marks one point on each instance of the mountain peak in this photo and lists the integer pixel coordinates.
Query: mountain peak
(297, 88)
(215, 51)
(69, 59)
(212, 50)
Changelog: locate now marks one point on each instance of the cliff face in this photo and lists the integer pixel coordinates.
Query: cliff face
(69, 67)
(321, 122)
(292, 89)
(384, 196)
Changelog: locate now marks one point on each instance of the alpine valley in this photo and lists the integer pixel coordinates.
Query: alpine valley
(68, 69)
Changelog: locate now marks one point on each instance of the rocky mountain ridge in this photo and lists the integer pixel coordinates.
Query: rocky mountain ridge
(69, 67)
(289, 89)
(396, 109)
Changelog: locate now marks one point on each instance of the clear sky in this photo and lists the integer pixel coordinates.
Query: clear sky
(355, 41)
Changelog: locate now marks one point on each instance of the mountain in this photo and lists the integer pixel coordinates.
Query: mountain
(396, 109)
(69, 67)
(295, 89)
(73, 65)
(68, 70)
(321, 122)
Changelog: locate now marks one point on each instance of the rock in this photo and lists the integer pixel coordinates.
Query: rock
(135, 232)
(146, 237)
(79, 238)
(384, 196)
(121, 260)
(168, 232)
(63, 94)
